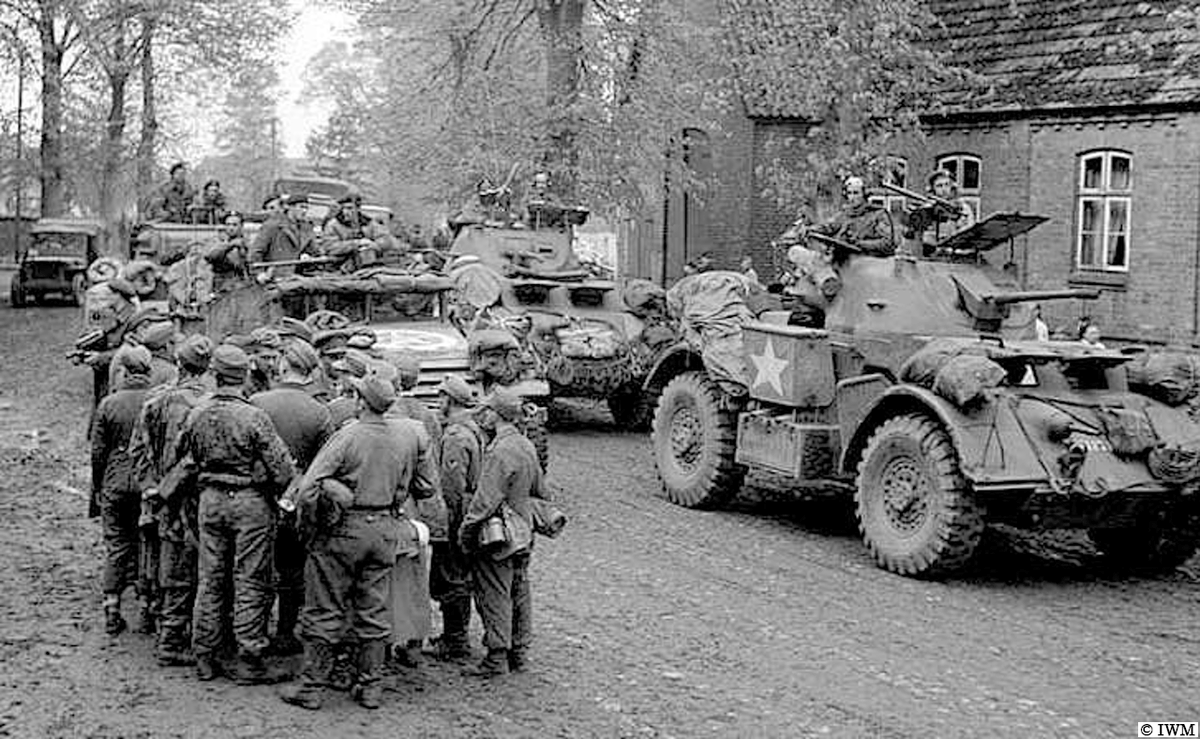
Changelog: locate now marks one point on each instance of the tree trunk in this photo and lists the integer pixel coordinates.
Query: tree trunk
(149, 139)
(561, 23)
(54, 183)
(114, 138)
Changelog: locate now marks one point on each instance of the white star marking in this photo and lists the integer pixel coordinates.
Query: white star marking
(768, 368)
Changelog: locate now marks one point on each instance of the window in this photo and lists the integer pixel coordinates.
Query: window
(894, 171)
(1102, 216)
(968, 173)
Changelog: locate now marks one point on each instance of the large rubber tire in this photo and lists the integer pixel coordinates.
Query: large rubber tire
(633, 409)
(1146, 550)
(16, 295)
(915, 510)
(78, 294)
(695, 438)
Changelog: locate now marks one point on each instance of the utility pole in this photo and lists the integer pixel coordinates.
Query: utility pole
(20, 161)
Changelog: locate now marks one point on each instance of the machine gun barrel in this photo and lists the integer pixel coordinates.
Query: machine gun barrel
(1027, 296)
(922, 198)
(831, 241)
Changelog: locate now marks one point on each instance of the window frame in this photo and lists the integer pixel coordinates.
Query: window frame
(972, 197)
(1104, 196)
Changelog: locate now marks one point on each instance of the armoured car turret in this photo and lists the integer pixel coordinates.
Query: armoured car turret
(924, 390)
(579, 336)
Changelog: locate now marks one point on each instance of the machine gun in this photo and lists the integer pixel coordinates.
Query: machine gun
(836, 243)
(989, 309)
(940, 206)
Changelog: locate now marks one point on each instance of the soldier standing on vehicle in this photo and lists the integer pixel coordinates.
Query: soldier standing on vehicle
(229, 256)
(114, 481)
(460, 458)
(364, 473)
(210, 206)
(241, 468)
(861, 223)
(173, 198)
(285, 238)
(304, 424)
(509, 477)
(154, 446)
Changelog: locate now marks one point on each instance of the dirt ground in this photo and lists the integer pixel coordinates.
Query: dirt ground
(764, 620)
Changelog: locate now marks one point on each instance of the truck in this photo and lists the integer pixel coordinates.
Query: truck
(924, 396)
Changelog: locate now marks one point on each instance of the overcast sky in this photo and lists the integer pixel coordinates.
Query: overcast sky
(317, 24)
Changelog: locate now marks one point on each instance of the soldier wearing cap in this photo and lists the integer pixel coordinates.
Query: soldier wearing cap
(114, 482)
(861, 223)
(509, 477)
(154, 447)
(460, 459)
(171, 201)
(264, 348)
(242, 466)
(158, 337)
(287, 237)
(370, 467)
(304, 424)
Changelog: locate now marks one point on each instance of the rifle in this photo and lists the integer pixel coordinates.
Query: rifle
(92, 341)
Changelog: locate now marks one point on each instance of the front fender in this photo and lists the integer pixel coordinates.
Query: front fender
(993, 446)
(680, 358)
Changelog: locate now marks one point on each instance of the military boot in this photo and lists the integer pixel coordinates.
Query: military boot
(368, 691)
(114, 624)
(285, 642)
(309, 691)
(493, 665)
(453, 645)
(148, 617)
(207, 667)
(252, 670)
(518, 660)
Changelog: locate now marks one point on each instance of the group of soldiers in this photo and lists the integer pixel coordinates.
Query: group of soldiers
(294, 468)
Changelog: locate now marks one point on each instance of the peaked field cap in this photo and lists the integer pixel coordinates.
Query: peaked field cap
(135, 360)
(505, 404)
(457, 389)
(195, 353)
(158, 334)
(376, 392)
(230, 361)
(301, 356)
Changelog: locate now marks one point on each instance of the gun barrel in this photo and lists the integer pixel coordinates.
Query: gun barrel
(1028, 296)
(923, 198)
(292, 262)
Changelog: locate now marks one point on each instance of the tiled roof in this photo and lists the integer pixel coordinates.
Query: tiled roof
(1035, 54)
(1048, 54)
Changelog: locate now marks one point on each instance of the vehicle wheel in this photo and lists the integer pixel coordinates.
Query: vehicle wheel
(695, 438)
(16, 296)
(633, 409)
(78, 292)
(1148, 550)
(914, 508)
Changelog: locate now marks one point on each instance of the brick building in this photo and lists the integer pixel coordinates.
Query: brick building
(1089, 115)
